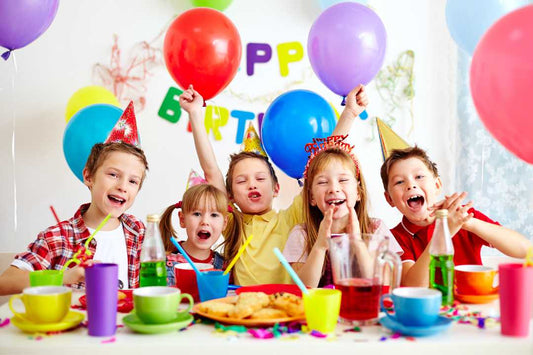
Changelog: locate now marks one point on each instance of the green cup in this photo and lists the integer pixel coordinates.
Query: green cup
(159, 304)
(46, 278)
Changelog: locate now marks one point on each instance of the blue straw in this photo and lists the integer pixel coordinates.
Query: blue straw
(291, 272)
(184, 253)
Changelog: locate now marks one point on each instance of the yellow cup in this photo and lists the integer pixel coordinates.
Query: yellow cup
(43, 304)
(322, 307)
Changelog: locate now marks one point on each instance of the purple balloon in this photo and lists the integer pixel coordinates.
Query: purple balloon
(22, 21)
(346, 46)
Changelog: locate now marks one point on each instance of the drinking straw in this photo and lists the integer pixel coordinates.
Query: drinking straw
(529, 258)
(57, 219)
(86, 245)
(185, 255)
(238, 255)
(291, 271)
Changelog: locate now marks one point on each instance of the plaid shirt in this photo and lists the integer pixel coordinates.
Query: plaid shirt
(56, 245)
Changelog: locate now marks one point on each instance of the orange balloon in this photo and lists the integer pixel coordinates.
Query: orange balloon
(203, 48)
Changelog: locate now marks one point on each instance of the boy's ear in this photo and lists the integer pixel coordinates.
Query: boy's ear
(276, 190)
(389, 199)
(182, 219)
(87, 178)
(438, 184)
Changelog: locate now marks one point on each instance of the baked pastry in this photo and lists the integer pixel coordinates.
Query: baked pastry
(287, 302)
(268, 313)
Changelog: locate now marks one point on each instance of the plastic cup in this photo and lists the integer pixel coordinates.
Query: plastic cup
(46, 278)
(101, 287)
(322, 307)
(516, 299)
(186, 278)
(212, 285)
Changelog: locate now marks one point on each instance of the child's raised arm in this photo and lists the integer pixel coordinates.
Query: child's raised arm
(356, 102)
(191, 101)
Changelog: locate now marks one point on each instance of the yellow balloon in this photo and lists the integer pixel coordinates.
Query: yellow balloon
(87, 96)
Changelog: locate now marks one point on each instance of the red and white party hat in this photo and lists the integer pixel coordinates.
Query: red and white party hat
(125, 129)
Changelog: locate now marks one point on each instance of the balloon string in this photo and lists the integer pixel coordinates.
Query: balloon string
(15, 70)
(343, 103)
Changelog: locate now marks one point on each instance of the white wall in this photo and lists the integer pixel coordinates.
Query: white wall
(34, 93)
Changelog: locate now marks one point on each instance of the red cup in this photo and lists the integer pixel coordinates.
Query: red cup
(186, 278)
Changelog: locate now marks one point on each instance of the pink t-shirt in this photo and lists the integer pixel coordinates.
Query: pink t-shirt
(294, 250)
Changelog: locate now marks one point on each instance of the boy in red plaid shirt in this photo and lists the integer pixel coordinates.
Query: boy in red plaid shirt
(114, 174)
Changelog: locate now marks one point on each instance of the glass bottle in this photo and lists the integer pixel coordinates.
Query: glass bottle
(153, 256)
(441, 267)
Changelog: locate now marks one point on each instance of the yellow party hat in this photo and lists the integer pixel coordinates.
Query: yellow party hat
(389, 139)
(251, 142)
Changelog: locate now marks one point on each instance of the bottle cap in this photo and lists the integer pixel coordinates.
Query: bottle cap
(441, 213)
(153, 218)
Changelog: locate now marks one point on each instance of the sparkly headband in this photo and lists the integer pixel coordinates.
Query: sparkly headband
(320, 145)
(180, 203)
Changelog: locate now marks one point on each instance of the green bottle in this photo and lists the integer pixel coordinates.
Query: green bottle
(441, 267)
(153, 257)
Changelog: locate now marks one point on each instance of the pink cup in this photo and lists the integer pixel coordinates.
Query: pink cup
(516, 299)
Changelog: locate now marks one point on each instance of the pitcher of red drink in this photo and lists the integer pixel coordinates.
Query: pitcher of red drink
(359, 264)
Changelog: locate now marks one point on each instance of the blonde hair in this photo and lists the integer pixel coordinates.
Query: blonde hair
(194, 198)
(312, 214)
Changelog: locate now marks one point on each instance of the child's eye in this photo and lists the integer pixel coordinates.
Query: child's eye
(113, 174)
(215, 214)
(344, 180)
(196, 214)
(398, 182)
(420, 176)
(134, 182)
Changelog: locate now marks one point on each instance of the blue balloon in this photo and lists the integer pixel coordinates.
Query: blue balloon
(87, 127)
(468, 20)
(291, 121)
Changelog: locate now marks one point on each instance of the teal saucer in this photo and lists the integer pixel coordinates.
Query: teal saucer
(440, 325)
(134, 323)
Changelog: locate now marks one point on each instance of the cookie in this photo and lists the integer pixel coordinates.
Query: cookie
(218, 309)
(268, 313)
(287, 302)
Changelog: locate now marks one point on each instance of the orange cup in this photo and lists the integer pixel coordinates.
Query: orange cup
(475, 280)
(186, 278)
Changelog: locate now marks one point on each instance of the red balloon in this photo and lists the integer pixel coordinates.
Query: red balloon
(203, 48)
(501, 81)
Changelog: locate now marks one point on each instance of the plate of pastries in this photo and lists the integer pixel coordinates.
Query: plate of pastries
(253, 309)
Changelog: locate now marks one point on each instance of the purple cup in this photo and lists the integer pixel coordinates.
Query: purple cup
(101, 289)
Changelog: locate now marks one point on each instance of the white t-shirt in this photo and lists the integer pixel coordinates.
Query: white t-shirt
(111, 248)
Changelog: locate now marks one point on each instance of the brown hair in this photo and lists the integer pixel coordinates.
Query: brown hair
(403, 154)
(193, 198)
(235, 158)
(312, 214)
(100, 152)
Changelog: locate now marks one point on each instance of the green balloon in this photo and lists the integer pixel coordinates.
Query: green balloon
(219, 5)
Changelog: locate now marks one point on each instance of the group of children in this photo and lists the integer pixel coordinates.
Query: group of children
(333, 200)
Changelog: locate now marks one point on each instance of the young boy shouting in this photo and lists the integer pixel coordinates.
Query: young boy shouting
(114, 174)
(412, 185)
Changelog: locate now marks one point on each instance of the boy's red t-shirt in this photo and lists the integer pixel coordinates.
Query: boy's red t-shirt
(413, 239)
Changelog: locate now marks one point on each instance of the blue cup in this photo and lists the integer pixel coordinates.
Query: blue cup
(414, 306)
(212, 285)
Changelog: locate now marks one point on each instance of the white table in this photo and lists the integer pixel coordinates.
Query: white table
(203, 339)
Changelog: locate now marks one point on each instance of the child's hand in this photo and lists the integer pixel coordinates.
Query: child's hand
(77, 273)
(324, 231)
(356, 100)
(353, 229)
(190, 100)
(458, 216)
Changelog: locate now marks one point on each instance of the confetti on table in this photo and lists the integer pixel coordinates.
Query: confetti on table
(318, 334)
(353, 330)
(4, 323)
(108, 341)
